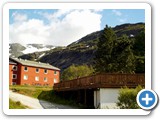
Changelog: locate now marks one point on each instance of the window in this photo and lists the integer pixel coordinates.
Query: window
(36, 78)
(14, 68)
(55, 72)
(45, 79)
(45, 71)
(14, 76)
(55, 80)
(25, 68)
(37, 70)
(25, 77)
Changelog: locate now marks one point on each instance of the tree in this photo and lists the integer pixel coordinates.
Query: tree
(139, 52)
(105, 45)
(140, 64)
(74, 72)
(114, 55)
(127, 98)
(139, 45)
(123, 57)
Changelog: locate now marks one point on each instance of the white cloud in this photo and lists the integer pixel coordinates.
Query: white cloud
(59, 32)
(97, 10)
(31, 31)
(117, 13)
(122, 20)
(61, 12)
(19, 17)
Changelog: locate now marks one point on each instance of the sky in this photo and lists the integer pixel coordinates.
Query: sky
(61, 27)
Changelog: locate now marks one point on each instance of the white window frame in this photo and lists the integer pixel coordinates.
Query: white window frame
(36, 78)
(55, 80)
(26, 77)
(45, 72)
(15, 76)
(45, 79)
(37, 69)
(15, 67)
(25, 67)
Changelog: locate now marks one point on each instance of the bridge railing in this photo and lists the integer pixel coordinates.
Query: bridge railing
(102, 81)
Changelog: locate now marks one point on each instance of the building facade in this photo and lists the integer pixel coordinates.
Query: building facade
(25, 72)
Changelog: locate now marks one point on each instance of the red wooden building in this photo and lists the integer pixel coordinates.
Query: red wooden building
(25, 72)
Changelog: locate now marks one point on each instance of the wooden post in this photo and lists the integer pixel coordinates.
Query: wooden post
(85, 97)
(78, 96)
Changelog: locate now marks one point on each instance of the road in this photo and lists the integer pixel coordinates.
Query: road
(35, 103)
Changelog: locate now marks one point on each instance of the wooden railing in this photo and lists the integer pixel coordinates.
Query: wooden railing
(102, 81)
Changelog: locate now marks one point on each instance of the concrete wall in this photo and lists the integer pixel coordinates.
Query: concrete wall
(106, 98)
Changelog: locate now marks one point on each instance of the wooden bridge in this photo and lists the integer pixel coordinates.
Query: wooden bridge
(99, 90)
(102, 81)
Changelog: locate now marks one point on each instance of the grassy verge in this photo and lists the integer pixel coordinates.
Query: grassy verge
(32, 91)
(44, 93)
(52, 97)
(16, 105)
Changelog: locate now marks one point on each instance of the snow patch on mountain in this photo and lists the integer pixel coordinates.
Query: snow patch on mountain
(31, 49)
(41, 55)
(16, 49)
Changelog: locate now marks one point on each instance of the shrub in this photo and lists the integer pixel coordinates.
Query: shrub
(74, 72)
(18, 103)
(127, 98)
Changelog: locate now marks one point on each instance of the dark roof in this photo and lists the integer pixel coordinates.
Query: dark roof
(12, 62)
(34, 64)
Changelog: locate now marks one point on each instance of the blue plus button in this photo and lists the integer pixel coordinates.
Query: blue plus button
(147, 99)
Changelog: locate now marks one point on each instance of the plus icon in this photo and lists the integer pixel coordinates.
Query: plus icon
(147, 99)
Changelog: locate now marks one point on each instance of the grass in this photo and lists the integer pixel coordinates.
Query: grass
(16, 105)
(44, 93)
(52, 97)
(32, 91)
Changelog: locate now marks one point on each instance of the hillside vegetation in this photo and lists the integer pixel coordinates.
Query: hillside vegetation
(82, 52)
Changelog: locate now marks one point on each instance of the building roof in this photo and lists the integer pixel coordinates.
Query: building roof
(34, 64)
(12, 62)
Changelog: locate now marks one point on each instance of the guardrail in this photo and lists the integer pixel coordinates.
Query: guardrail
(102, 81)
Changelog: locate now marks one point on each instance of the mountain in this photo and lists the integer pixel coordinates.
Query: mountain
(82, 51)
(16, 49)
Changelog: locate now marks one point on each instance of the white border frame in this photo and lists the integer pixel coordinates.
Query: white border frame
(147, 108)
(104, 5)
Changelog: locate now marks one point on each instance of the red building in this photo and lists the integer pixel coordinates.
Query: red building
(25, 72)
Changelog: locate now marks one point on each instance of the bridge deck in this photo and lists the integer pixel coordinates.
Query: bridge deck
(102, 81)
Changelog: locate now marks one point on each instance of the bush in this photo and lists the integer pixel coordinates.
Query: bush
(74, 72)
(127, 98)
(18, 103)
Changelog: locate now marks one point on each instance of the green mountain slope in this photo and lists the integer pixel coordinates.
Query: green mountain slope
(81, 51)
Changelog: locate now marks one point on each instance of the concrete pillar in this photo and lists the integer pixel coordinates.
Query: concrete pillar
(96, 98)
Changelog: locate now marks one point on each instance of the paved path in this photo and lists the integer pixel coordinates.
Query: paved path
(48, 105)
(35, 103)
